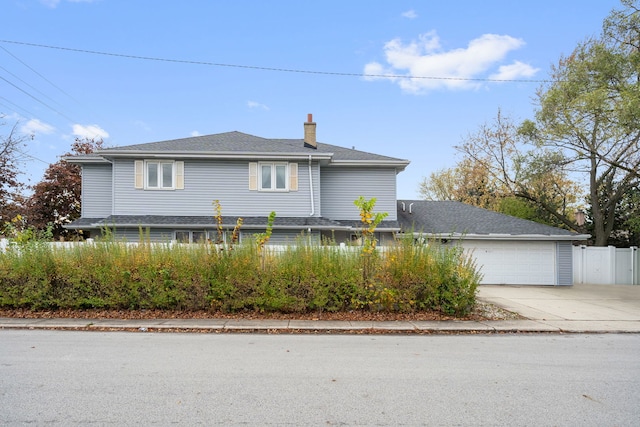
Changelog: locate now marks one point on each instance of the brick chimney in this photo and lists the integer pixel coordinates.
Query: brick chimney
(310, 133)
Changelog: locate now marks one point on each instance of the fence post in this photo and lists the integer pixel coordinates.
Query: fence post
(583, 263)
(634, 265)
(612, 264)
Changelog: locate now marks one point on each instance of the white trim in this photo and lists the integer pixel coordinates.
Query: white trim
(541, 237)
(159, 187)
(272, 185)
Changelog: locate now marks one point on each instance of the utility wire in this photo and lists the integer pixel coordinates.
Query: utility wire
(38, 74)
(32, 87)
(14, 106)
(254, 67)
(41, 102)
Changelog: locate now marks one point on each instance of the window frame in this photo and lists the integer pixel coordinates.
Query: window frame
(209, 236)
(203, 233)
(274, 179)
(160, 174)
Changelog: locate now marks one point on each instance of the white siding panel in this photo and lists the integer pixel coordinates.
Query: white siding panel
(96, 191)
(515, 262)
(341, 186)
(207, 180)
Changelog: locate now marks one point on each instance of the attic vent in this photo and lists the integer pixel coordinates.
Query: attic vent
(310, 133)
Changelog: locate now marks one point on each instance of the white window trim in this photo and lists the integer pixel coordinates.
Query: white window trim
(209, 235)
(273, 177)
(160, 174)
(141, 174)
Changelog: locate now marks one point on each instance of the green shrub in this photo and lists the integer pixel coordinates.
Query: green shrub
(304, 277)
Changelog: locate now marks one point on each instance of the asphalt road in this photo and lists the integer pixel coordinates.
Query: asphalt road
(119, 378)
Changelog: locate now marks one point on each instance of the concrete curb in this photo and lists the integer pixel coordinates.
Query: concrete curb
(325, 326)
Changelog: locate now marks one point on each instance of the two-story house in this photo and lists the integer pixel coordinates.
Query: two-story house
(168, 187)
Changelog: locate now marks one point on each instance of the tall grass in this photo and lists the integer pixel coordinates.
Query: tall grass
(301, 278)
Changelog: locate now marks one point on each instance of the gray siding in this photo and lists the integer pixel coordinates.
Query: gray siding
(564, 253)
(208, 180)
(342, 185)
(134, 234)
(285, 237)
(97, 194)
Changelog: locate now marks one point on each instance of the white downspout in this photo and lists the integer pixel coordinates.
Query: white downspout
(313, 208)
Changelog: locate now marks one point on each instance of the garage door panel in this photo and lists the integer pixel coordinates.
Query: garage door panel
(515, 263)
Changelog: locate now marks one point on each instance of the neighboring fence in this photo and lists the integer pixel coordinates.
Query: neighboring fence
(606, 265)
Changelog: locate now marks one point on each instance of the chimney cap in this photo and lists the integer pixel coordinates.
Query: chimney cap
(309, 118)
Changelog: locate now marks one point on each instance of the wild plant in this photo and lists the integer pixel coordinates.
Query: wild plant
(370, 222)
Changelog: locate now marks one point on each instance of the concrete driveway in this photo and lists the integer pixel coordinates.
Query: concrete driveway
(588, 307)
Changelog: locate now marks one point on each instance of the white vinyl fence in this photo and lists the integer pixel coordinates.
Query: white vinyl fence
(606, 265)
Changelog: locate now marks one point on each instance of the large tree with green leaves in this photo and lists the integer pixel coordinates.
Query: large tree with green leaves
(590, 115)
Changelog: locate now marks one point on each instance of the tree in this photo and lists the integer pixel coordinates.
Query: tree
(56, 199)
(10, 188)
(468, 182)
(525, 180)
(589, 113)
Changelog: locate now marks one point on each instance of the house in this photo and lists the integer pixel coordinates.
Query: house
(509, 250)
(168, 187)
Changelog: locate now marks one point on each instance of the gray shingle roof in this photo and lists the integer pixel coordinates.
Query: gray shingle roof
(238, 142)
(446, 217)
(227, 221)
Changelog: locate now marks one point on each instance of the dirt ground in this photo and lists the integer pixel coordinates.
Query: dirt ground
(482, 311)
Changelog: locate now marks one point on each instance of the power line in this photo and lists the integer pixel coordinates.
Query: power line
(32, 87)
(40, 101)
(15, 106)
(37, 73)
(254, 67)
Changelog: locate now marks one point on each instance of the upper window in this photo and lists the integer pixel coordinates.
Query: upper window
(159, 174)
(273, 177)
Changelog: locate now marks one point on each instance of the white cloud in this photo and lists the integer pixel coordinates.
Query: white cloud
(410, 14)
(514, 71)
(142, 125)
(35, 126)
(436, 68)
(195, 133)
(90, 131)
(253, 104)
(54, 3)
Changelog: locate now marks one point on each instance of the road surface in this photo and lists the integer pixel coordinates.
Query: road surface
(120, 378)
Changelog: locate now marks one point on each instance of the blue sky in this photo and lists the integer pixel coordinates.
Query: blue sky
(60, 94)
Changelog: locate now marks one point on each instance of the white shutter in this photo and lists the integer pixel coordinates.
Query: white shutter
(293, 176)
(179, 175)
(139, 174)
(253, 176)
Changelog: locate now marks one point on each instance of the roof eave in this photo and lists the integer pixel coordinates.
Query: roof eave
(80, 160)
(531, 237)
(402, 164)
(214, 155)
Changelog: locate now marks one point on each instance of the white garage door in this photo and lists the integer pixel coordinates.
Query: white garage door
(515, 263)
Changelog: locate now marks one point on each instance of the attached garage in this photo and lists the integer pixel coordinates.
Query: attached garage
(514, 262)
(507, 250)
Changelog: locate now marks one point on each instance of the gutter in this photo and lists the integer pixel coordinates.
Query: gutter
(313, 208)
(529, 237)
